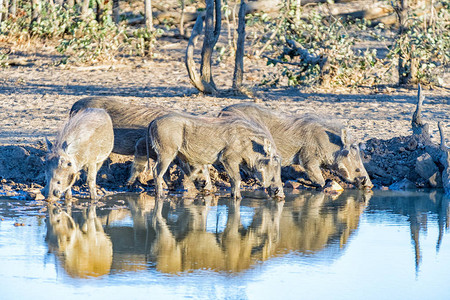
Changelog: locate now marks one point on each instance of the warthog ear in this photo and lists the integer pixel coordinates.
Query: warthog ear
(267, 146)
(345, 152)
(49, 145)
(343, 170)
(64, 146)
(257, 147)
(70, 148)
(344, 137)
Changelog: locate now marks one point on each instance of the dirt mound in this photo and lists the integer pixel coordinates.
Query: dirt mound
(24, 164)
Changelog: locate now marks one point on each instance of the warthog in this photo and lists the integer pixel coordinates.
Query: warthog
(309, 141)
(130, 122)
(198, 142)
(84, 143)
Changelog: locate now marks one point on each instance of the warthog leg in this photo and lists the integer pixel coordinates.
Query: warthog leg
(235, 179)
(193, 174)
(139, 166)
(162, 164)
(68, 194)
(315, 174)
(208, 182)
(91, 179)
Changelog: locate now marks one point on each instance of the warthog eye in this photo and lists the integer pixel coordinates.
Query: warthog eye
(69, 164)
(358, 170)
(58, 182)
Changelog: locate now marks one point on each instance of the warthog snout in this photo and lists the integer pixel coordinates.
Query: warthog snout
(363, 182)
(57, 193)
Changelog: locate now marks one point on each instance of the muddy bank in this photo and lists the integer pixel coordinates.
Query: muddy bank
(397, 163)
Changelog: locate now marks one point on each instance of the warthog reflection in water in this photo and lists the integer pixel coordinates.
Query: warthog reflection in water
(83, 248)
(177, 239)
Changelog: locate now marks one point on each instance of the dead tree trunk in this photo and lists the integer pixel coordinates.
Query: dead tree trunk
(102, 7)
(418, 127)
(204, 82)
(212, 32)
(116, 11)
(182, 18)
(12, 8)
(445, 161)
(35, 11)
(85, 9)
(404, 63)
(148, 15)
(1, 11)
(189, 59)
(439, 153)
(239, 60)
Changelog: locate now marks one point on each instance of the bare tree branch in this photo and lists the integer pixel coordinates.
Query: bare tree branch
(189, 59)
(116, 11)
(211, 37)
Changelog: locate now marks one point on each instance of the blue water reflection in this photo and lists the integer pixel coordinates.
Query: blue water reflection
(389, 245)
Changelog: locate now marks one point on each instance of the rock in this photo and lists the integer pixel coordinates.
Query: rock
(403, 184)
(435, 180)
(291, 184)
(19, 153)
(35, 194)
(412, 145)
(401, 170)
(373, 169)
(145, 177)
(427, 169)
(333, 187)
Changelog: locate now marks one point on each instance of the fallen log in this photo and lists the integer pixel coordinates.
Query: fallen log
(306, 59)
(381, 13)
(271, 6)
(374, 12)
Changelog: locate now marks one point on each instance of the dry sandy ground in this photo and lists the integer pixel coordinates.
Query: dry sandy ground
(37, 96)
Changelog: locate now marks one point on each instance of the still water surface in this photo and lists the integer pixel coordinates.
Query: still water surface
(389, 245)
